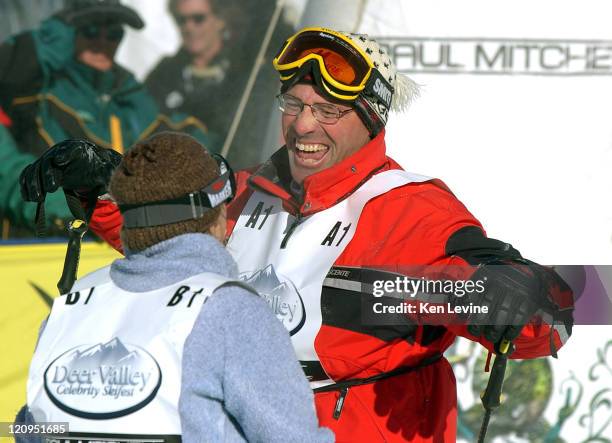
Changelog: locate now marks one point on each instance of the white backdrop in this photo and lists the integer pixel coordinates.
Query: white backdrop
(140, 50)
(529, 155)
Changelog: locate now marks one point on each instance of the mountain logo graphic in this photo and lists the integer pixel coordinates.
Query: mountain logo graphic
(281, 294)
(103, 381)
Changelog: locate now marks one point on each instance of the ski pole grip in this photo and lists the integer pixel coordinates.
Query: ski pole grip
(491, 397)
(504, 347)
(76, 231)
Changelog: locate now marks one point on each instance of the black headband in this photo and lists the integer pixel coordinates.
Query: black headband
(187, 207)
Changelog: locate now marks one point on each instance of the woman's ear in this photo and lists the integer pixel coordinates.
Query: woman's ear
(219, 226)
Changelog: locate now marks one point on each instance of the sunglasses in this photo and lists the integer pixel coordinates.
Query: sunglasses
(197, 19)
(113, 33)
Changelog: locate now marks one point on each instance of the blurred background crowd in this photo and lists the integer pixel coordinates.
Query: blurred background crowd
(60, 78)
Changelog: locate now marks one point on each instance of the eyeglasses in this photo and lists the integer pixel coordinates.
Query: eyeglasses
(324, 113)
(197, 19)
(113, 33)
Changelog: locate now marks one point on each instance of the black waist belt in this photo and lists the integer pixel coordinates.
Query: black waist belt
(344, 385)
(383, 375)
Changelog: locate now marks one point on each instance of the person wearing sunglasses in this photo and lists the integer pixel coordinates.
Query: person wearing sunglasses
(330, 216)
(96, 44)
(207, 76)
(195, 79)
(61, 81)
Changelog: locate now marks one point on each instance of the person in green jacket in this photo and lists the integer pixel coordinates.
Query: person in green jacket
(61, 81)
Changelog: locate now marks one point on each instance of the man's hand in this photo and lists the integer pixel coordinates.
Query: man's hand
(514, 292)
(76, 165)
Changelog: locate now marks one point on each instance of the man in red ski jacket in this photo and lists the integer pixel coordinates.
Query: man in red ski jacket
(329, 218)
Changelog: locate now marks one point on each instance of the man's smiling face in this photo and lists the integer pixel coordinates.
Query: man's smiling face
(314, 146)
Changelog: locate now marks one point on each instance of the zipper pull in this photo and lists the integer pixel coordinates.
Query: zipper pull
(340, 403)
(294, 225)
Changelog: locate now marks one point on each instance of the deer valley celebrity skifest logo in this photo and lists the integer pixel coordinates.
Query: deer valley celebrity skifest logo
(106, 380)
(281, 294)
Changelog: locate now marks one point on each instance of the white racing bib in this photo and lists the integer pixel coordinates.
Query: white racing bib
(291, 277)
(109, 361)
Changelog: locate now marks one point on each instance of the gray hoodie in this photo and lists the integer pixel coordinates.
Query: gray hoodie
(241, 380)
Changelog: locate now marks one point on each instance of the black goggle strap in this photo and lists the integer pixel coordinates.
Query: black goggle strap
(187, 207)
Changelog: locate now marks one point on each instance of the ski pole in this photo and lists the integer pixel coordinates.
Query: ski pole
(252, 77)
(491, 397)
(76, 230)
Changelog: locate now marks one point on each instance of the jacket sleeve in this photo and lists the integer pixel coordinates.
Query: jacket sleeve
(28, 59)
(19, 212)
(26, 63)
(430, 226)
(239, 367)
(550, 328)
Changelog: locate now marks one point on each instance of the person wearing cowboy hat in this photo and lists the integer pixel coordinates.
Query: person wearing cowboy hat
(61, 81)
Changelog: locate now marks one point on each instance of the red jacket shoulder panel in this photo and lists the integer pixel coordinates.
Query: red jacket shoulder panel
(407, 225)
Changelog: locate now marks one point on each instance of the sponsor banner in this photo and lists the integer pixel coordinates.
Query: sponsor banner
(29, 275)
(485, 55)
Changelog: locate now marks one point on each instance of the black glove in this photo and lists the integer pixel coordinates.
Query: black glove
(514, 292)
(76, 165)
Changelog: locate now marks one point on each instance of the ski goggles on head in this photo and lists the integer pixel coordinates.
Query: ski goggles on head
(187, 207)
(342, 68)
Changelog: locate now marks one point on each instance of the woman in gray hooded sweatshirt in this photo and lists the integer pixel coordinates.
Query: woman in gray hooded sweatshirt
(165, 343)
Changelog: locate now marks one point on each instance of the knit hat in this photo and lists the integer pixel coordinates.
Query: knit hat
(372, 103)
(166, 166)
